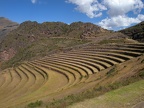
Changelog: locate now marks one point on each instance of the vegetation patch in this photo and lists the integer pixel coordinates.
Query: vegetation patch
(35, 104)
(141, 74)
(111, 72)
(142, 61)
(112, 41)
(123, 97)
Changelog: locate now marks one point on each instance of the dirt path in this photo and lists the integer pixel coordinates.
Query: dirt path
(139, 105)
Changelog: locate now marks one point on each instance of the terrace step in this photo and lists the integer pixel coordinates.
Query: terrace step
(39, 80)
(84, 64)
(43, 73)
(2, 79)
(99, 63)
(23, 90)
(23, 81)
(8, 80)
(15, 81)
(116, 59)
(78, 68)
(55, 83)
(69, 75)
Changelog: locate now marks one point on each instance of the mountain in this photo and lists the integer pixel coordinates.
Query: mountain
(32, 39)
(135, 32)
(6, 26)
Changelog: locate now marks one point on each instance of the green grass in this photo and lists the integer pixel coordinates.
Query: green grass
(123, 97)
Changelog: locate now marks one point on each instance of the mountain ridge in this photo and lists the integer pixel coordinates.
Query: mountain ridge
(6, 26)
(135, 32)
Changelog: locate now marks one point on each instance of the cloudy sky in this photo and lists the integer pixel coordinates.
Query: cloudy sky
(110, 14)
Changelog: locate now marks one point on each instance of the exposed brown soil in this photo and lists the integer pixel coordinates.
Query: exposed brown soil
(139, 105)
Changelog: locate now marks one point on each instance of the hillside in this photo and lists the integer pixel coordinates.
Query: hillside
(32, 40)
(61, 79)
(135, 32)
(54, 65)
(6, 26)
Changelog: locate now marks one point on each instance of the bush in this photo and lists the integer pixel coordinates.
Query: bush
(142, 61)
(141, 74)
(35, 104)
(111, 72)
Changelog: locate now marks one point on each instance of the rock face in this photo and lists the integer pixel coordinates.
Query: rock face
(6, 26)
(135, 32)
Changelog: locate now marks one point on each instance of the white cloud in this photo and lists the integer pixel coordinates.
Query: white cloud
(121, 7)
(92, 8)
(33, 1)
(119, 21)
(117, 11)
(140, 17)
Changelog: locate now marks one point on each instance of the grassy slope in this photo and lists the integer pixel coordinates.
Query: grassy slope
(124, 97)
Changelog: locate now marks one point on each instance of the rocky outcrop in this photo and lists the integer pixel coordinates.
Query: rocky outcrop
(7, 54)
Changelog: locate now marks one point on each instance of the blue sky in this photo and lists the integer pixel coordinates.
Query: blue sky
(110, 14)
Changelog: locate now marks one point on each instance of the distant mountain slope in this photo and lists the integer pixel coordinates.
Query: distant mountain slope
(6, 26)
(135, 32)
(32, 39)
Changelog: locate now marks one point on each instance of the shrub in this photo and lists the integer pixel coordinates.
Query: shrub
(35, 104)
(142, 61)
(141, 74)
(111, 72)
